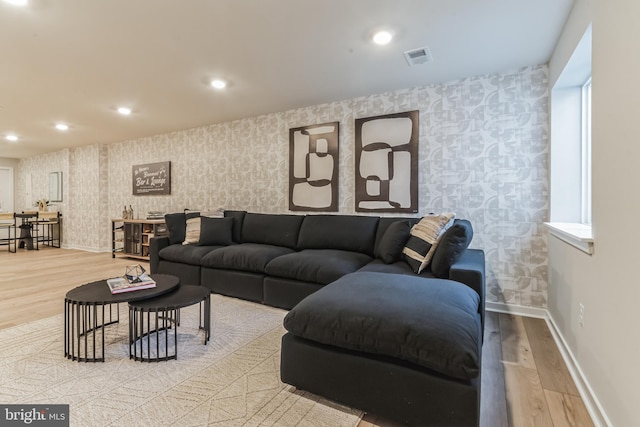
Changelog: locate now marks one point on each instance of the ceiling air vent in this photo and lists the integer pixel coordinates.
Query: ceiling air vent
(418, 56)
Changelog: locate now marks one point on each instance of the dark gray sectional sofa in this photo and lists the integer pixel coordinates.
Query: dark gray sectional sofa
(364, 329)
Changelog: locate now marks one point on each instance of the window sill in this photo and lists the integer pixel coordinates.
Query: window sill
(577, 235)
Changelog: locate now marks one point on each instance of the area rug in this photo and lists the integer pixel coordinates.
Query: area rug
(234, 380)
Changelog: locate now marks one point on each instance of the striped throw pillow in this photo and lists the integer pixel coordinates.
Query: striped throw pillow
(192, 234)
(424, 238)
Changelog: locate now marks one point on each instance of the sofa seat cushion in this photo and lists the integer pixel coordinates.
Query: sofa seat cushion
(321, 266)
(187, 254)
(399, 267)
(433, 323)
(250, 257)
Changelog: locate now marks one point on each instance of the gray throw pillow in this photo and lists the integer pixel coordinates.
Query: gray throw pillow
(452, 245)
(390, 247)
(177, 225)
(216, 231)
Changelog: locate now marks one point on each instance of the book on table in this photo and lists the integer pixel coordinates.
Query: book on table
(119, 285)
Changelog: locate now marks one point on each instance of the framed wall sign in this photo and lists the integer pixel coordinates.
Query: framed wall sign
(152, 179)
(386, 177)
(313, 168)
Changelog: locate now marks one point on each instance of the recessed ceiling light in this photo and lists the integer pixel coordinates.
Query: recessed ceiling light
(17, 2)
(62, 126)
(12, 138)
(382, 37)
(124, 111)
(218, 84)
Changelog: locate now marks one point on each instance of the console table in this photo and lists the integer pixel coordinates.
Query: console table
(130, 237)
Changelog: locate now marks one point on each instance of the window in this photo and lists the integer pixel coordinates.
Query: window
(586, 154)
(570, 150)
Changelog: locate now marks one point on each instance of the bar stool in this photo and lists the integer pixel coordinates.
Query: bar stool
(8, 222)
(50, 235)
(27, 230)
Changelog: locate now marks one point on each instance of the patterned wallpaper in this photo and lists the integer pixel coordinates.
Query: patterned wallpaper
(483, 153)
(86, 213)
(38, 168)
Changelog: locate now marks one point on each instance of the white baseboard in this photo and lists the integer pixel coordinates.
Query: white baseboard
(520, 310)
(83, 248)
(597, 413)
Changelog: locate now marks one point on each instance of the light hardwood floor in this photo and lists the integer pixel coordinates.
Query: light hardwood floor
(524, 383)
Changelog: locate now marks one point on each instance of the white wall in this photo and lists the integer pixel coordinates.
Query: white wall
(576, 25)
(606, 348)
(12, 163)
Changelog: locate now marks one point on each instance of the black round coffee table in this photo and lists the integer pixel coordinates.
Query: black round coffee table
(149, 317)
(88, 309)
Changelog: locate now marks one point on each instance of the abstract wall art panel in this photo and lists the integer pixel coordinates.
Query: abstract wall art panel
(387, 163)
(313, 168)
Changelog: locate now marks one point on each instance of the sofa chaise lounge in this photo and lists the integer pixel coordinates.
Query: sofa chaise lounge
(364, 329)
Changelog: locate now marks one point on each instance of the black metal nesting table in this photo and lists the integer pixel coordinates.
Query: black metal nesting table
(88, 309)
(148, 318)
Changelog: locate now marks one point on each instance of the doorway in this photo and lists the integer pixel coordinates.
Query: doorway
(6, 194)
(6, 189)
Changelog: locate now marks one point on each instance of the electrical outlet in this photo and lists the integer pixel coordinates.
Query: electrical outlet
(581, 314)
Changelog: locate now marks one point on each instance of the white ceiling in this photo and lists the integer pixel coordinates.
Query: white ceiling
(76, 61)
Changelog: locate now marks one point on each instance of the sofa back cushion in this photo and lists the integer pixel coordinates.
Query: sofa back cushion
(238, 218)
(343, 232)
(271, 229)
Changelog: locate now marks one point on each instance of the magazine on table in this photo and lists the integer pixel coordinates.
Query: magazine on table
(119, 285)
